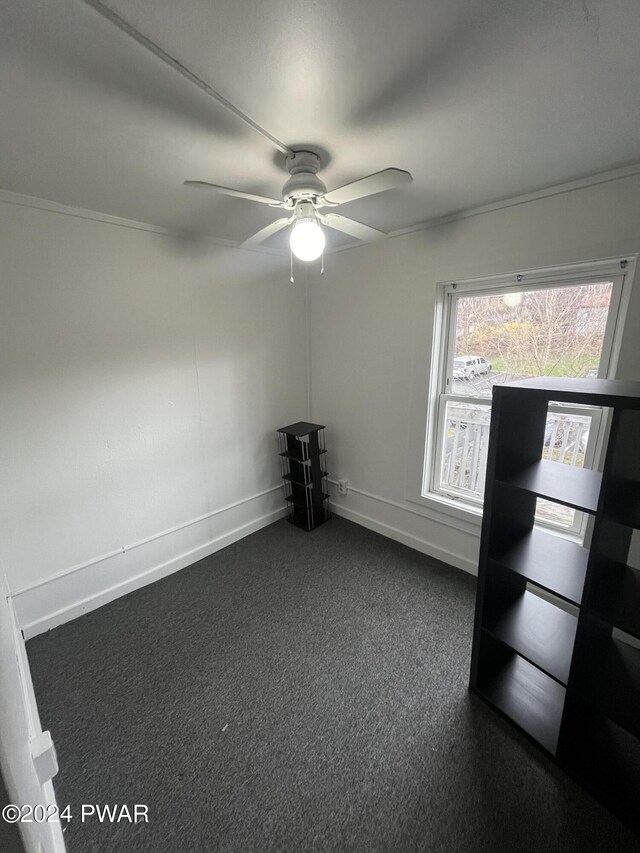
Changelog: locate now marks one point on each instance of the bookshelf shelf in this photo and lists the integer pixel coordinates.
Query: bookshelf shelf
(552, 563)
(540, 632)
(528, 697)
(563, 484)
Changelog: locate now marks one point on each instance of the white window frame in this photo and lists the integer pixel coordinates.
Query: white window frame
(619, 271)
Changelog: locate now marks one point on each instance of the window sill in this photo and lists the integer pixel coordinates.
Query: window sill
(469, 516)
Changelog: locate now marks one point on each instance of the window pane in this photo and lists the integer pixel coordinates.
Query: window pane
(465, 442)
(555, 331)
(565, 440)
(556, 514)
(464, 449)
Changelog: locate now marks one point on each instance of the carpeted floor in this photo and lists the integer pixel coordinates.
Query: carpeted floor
(10, 841)
(298, 692)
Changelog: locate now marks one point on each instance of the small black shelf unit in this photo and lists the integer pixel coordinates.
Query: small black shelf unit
(302, 454)
(567, 676)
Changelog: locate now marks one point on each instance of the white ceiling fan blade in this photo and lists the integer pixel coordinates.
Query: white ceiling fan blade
(387, 179)
(353, 228)
(267, 232)
(205, 185)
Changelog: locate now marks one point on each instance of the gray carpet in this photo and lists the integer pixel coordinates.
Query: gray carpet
(299, 692)
(10, 841)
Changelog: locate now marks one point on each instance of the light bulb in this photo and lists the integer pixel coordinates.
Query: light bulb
(307, 239)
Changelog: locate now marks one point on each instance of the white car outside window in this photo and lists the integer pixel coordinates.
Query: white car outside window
(470, 366)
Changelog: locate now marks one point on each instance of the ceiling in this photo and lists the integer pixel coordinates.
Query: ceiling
(479, 99)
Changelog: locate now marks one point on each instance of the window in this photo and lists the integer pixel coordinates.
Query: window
(492, 331)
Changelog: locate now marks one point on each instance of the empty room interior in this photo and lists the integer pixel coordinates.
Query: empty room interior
(320, 382)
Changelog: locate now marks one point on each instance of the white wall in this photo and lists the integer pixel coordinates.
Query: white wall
(372, 317)
(142, 380)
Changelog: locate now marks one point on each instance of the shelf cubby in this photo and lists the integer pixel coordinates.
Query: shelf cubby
(603, 757)
(621, 495)
(539, 631)
(610, 680)
(298, 478)
(622, 501)
(301, 502)
(522, 693)
(293, 455)
(615, 597)
(566, 671)
(578, 488)
(614, 588)
(548, 561)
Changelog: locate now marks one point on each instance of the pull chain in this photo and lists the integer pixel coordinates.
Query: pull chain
(291, 279)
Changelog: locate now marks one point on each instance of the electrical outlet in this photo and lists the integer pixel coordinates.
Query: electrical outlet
(343, 486)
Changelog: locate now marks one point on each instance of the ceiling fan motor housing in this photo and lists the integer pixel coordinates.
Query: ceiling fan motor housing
(304, 212)
(304, 183)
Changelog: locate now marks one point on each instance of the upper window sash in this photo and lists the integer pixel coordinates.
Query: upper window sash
(539, 281)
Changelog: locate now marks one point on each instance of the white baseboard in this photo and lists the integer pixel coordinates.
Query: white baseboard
(81, 589)
(412, 541)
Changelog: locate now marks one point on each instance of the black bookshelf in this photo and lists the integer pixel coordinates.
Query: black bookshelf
(301, 453)
(565, 667)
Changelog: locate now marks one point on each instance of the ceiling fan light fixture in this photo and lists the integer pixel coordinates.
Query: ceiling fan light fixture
(307, 238)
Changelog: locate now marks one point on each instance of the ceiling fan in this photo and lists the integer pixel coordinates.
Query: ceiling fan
(304, 197)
